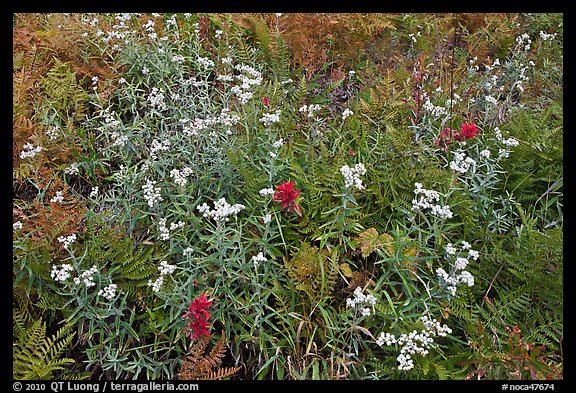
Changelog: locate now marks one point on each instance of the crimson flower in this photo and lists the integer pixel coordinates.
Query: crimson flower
(286, 194)
(200, 317)
(445, 138)
(266, 101)
(468, 131)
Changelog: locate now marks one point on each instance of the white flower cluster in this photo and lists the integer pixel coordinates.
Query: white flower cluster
(457, 274)
(193, 127)
(347, 112)
(485, 153)
(205, 62)
(310, 110)
(248, 77)
(177, 58)
(270, 118)
(435, 111)
(266, 191)
(110, 119)
(156, 99)
(17, 225)
(222, 210)
(523, 41)
(461, 163)
(165, 269)
(157, 146)
(53, 133)
(94, 192)
(67, 240)
(546, 36)
(87, 277)
(164, 231)
(259, 258)
(58, 198)
(151, 193)
(61, 273)
(414, 343)
(30, 151)
(267, 218)
(509, 142)
(491, 100)
(108, 292)
(427, 199)
(352, 175)
(279, 143)
(119, 139)
(360, 301)
(72, 169)
(180, 177)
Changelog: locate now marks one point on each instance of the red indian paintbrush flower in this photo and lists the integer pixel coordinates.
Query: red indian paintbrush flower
(286, 194)
(200, 316)
(468, 131)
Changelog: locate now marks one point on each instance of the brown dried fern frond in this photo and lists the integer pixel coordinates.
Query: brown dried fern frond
(199, 365)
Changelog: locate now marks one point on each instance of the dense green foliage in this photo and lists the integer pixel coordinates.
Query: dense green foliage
(425, 241)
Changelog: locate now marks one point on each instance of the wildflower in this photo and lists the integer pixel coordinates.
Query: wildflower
(467, 131)
(460, 263)
(352, 175)
(205, 62)
(266, 191)
(87, 277)
(58, 198)
(17, 225)
(94, 192)
(414, 342)
(311, 109)
(491, 100)
(286, 194)
(450, 249)
(180, 177)
(267, 218)
(426, 200)
(156, 285)
(259, 258)
(265, 101)
(199, 315)
(67, 240)
(461, 164)
(30, 151)
(445, 138)
(271, 118)
(151, 193)
(485, 153)
(61, 274)
(222, 210)
(72, 169)
(347, 112)
(473, 254)
(156, 99)
(278, 143)
(359, 301)
(165, 268)
(108, 292)
(53, 133)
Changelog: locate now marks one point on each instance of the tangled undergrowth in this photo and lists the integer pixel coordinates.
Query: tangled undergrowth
(288, 196)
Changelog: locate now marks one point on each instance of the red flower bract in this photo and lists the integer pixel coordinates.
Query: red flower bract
(286, 194)
(468, 131)
(200, 316)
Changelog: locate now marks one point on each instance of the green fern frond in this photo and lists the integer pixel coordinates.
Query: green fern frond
(36, 356)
